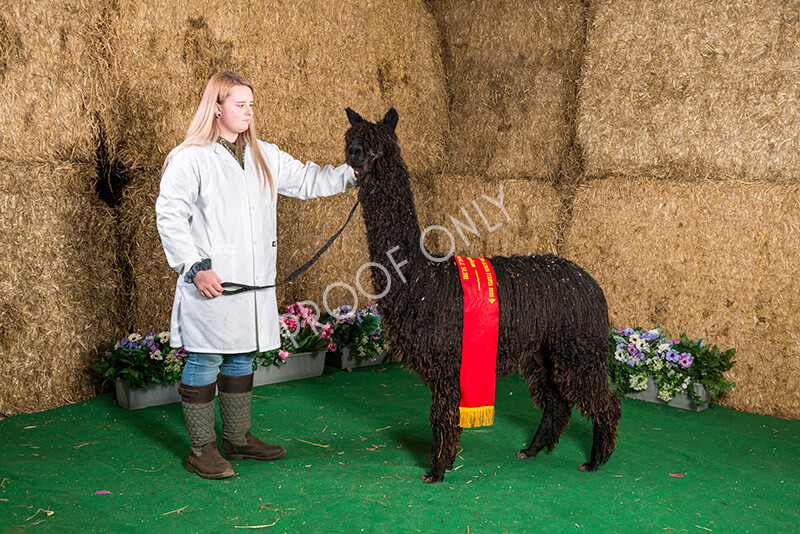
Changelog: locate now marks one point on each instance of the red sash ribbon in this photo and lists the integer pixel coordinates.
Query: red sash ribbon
(479, 341)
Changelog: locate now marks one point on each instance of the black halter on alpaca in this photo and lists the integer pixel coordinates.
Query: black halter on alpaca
(553, 318)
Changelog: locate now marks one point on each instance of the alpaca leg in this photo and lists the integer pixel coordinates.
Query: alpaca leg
(557, 411)
(555, 419)
(605, 413)
(450, 460)
(599, 404)
(446, 434)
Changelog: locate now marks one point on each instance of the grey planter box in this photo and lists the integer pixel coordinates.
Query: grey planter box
(152, 395)
(300, 365)
(346, 360)
(681, 400)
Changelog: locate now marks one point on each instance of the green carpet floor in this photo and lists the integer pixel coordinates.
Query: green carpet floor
(357, 445)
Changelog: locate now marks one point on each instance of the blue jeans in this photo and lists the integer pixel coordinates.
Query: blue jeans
(201, 369)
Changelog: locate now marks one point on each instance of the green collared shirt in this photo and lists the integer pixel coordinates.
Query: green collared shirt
(237, 151)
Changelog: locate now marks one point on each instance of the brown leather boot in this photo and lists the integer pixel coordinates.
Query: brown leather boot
(234, 408)
(198, 410)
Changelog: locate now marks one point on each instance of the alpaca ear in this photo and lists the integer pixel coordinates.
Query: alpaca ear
(390, 119)
(353, 117)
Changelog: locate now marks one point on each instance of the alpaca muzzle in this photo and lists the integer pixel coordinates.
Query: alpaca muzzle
(361, 158)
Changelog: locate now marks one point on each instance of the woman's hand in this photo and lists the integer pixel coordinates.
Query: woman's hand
(208, 284)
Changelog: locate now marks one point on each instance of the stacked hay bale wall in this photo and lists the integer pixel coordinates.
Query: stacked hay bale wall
(60, 286)
(511, 68)
(511, 71)
(699, 85)
(50, 55)
(483, 217)
(306, 60)
(688, 121)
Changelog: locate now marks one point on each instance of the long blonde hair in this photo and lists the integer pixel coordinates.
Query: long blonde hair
(203, 129)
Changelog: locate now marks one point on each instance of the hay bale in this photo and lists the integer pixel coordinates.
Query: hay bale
(695, 87)
(50, 55)
(307, 60)
(717, 260)
(512, 69)
(483, 220)
(151, 280)
(60, 286)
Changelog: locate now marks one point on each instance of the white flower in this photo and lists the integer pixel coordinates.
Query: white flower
(664, 347)
(621, 355)
(633, 338)
(156, 356)
(664, 395)
(163, 337)
(133, 338)
(642, 345)
(654, 332)
(638, 382)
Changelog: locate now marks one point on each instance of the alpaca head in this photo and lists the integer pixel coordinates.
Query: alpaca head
(368, 145)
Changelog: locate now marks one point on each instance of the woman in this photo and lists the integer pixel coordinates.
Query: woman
(216, 214)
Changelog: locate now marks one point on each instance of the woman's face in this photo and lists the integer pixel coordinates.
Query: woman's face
(235, 113)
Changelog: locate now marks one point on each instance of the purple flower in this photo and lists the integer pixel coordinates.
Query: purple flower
(181, 353)
(345, 308)
(685, 360)
(629, 331)
(649, 336)
(375, 336)
(621, 346)
(360, 317)
(632, 350)
(672, 355)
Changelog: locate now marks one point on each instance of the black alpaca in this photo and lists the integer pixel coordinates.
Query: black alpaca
(553, 324)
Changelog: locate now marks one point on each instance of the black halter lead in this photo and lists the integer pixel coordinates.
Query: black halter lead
(239, 288)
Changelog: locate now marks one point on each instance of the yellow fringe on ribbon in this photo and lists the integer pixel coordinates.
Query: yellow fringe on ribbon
(472, 417)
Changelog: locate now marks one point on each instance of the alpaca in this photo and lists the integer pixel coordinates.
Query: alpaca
(553, 317)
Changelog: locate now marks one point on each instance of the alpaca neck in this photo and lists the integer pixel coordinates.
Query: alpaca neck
(393, 234)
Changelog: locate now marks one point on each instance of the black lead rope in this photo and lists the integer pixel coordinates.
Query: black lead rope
(297, 272)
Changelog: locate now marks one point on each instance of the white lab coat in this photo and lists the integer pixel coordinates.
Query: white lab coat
(208, 207)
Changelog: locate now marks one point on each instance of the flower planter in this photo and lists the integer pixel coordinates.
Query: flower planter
(152, 395)
(299, 365)
(346, 360)
(681, 400)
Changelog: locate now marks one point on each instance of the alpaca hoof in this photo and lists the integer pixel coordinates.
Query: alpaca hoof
(587, 467)
(523, 455)
(430, 478)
